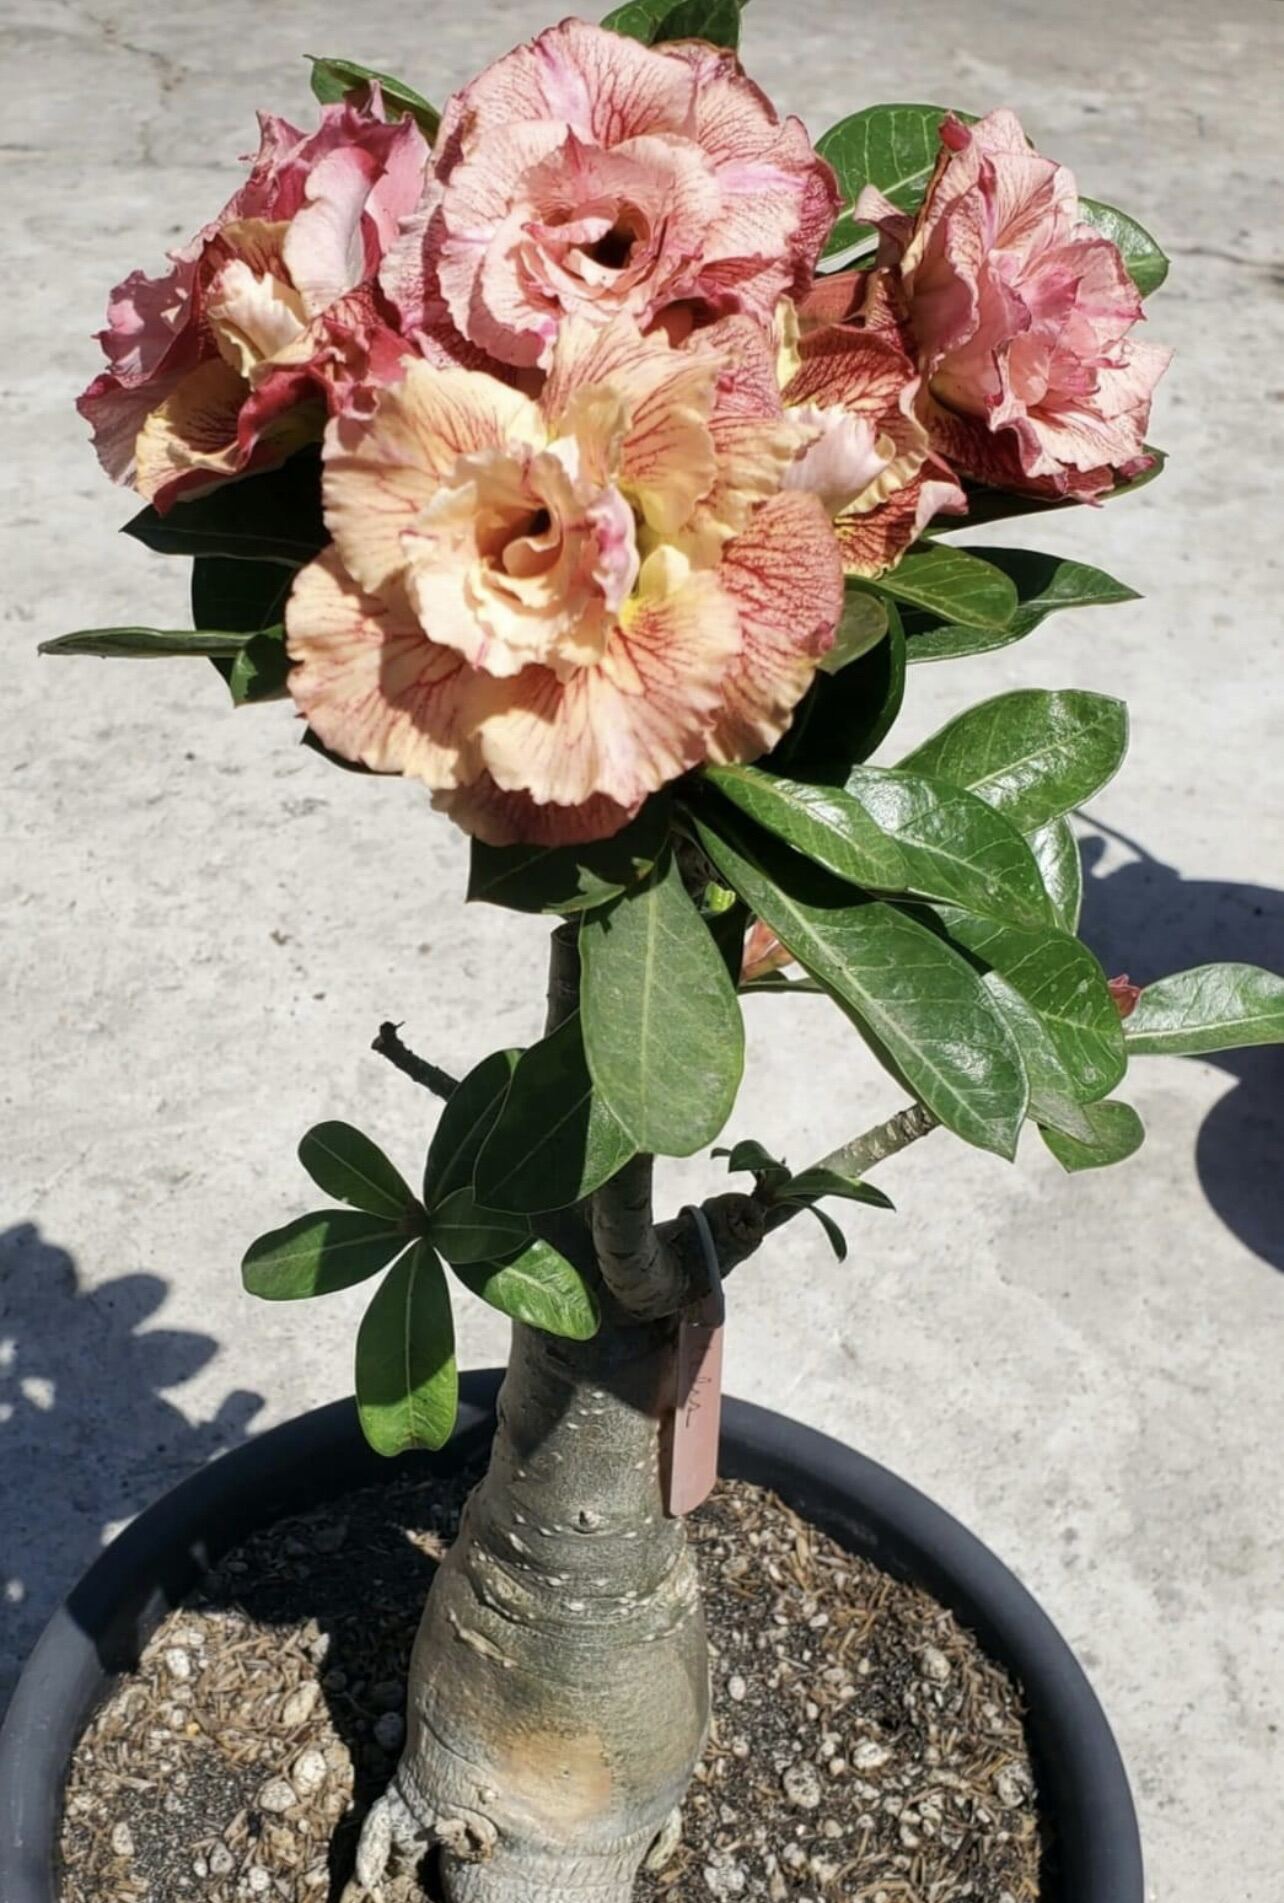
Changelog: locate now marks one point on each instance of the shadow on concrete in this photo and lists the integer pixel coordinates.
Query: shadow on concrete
(1142, 917)
(87, 1434)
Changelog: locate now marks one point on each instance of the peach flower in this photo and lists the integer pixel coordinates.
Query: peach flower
(267, 318)
(546, 609)
(587, 174)
(1018, 315)
(872, 461)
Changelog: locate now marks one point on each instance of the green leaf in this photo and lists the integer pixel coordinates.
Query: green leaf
(954, 584)
(1043, 583)
(821, 822)
(539, 1287)
(750, 1155)
(922, 1007)
(144, 643)
(318, 1254)
(1209, 1008)
(999, 505)
(953, 845)
(471, 1112)
(1059, 979)
(407, 1378)
(892, 147)
(554, 1141)
(248, 596)
(334, 79)
(1054, 1097)
(662, 1028)
(640, 20)
(1032, 754)
(346, 1164)
(843, 717)
(1117, 1133)
(864, 624)
(717, 21)
(1146, 264)
(819, 1182)
(837, 1240)
(464, 1230)
(275, 517)
(569, 879)
(1056, 853)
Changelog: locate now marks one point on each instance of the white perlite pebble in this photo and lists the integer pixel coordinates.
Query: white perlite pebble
(300, 1704)
(869, 1755)
(730, 1880)
(222, 1862)
(258, 1882)
(308, 1772)
(802, 1785)
(122, 1841)
(1011, 1787)
(178, 1663)
(737, 1689)
(935, 1664)
(389, 1730)
(277, 1796)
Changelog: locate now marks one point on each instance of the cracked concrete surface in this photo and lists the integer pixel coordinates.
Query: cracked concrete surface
(203, 925)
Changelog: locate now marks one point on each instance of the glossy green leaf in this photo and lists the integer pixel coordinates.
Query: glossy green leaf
(822, 822)
(1056, 853)
(470, 1114)
(346, 1164)
(1146, 264)
(954, 584)
(334, 79)
(920, 1004)
(1032, 754)
(1000, 505)
(539, 1287)
(1210, 1008)
(249, 596)
(662, 1028)
(837, 1240)
(407, 1378)
(465, 1231)
(750, 1155)
(818, 1182)
(275, 517)
(570, 879)
(318, 1254)
(1060, 979)
(1044, 584)
(717, 21)
(864, 624)
(554, 1141)
(892, 147)
(1054, 1096)
(1117, 1133)
(953, 845)
(843, 717)
(145, 643)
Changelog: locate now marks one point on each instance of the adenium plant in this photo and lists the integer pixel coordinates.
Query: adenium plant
(590, 454)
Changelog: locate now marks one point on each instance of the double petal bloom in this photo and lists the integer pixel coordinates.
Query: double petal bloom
(547, 609)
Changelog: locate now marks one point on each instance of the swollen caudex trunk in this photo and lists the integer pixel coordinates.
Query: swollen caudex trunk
(559, 1695)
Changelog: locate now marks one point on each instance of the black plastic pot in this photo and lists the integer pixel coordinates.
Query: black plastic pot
(101, 1629)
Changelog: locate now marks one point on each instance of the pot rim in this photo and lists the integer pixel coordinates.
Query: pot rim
(102, 1625)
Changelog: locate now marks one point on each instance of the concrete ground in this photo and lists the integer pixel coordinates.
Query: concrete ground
(204, 924)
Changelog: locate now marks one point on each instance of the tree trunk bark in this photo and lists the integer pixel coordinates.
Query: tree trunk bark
(559, 1686)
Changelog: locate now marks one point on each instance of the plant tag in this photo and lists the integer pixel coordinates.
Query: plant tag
(697, 1409)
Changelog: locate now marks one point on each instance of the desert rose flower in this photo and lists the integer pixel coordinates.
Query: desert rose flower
(585, 174)
(547, 609)
(871, 461)
(1018, 315)
(267, 318)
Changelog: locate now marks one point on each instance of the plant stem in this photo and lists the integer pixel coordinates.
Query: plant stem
(864, 1153)
(388, 1044)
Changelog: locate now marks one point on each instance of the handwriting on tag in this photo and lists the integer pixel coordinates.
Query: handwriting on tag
(697, 1414)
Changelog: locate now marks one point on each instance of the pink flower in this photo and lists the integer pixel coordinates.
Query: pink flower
(585, 174)
(1018, 315)
(547, 609)
(267, 318)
